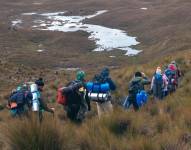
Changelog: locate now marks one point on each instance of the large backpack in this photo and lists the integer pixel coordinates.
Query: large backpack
(170, 73)
(96, 87)
(141, 98)
(135, 87)
(20, 98)
(158, 80)
(99, 89)
(172, 79)
(72, 93)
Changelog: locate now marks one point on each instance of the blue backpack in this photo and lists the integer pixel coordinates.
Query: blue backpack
(141, 98)
(158, 79)
(97, 87)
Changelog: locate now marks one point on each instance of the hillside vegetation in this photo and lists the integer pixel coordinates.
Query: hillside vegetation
(164, 33)
(162, 125)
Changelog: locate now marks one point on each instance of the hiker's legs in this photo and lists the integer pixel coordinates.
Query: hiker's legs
(40, 116)
(135, 106)
(127, 103)
(82, 110)
(104, 108)
(72, 112)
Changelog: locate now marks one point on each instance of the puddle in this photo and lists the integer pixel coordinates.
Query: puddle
(72, 69)
(106, 39)
(29, 14)
(16, 22)
(112, 56)
(40, 50)
(37, 3)
(67, 69)
(144, 8)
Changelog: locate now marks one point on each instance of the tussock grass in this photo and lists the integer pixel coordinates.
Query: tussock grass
(29, 134)
(161, 125)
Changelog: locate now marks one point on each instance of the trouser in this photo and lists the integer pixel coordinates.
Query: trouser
(17, 112)
(131, 101)
(104, 108)
(72, 112)
(158, 92)
(76, 114)
(135, 105)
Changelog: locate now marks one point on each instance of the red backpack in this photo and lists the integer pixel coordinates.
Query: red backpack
(61, 99)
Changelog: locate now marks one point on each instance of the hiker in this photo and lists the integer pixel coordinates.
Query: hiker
(178, 72)
(77, 101)
(173, 74)
(20, 101)
(100, 91)
(38, 103)
(159, 84)
(136, 85)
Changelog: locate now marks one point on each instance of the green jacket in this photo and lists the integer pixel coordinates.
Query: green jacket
(137, 84)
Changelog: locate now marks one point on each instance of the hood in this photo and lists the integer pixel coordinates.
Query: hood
(105, 72)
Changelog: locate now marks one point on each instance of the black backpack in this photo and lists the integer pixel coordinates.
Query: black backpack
(72, 93)
(135, 87)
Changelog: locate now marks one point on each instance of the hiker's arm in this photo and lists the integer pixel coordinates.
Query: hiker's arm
(44, 106)
(88, 101)
(111, 84)
(146, 81)
(152, 82)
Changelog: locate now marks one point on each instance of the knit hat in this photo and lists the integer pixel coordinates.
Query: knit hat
(80, 75)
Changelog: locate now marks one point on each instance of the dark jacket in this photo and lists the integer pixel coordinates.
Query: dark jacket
(104, 75)
(137, 84)
(43, 104)
(77, 101)
(111, 83)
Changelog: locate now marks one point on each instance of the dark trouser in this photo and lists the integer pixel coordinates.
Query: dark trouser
(131, 100)
(158, 91)
(18, 112)
(165, 93)
(72, 112)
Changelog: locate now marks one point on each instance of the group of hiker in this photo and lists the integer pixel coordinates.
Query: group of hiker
(26, 97)
(77, 95)
(163, 83)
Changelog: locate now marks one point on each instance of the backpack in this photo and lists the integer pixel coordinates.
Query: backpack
(170, 73)
(72, 93)
(158, 79)
(97, 87)
(61, 98)
(135, 87)
(141, 98)
(20, 96)
(172, 79)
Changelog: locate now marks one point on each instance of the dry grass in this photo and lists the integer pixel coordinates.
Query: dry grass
(164, 125)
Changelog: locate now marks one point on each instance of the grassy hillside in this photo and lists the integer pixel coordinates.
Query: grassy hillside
(164, 34)
(163, 125)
